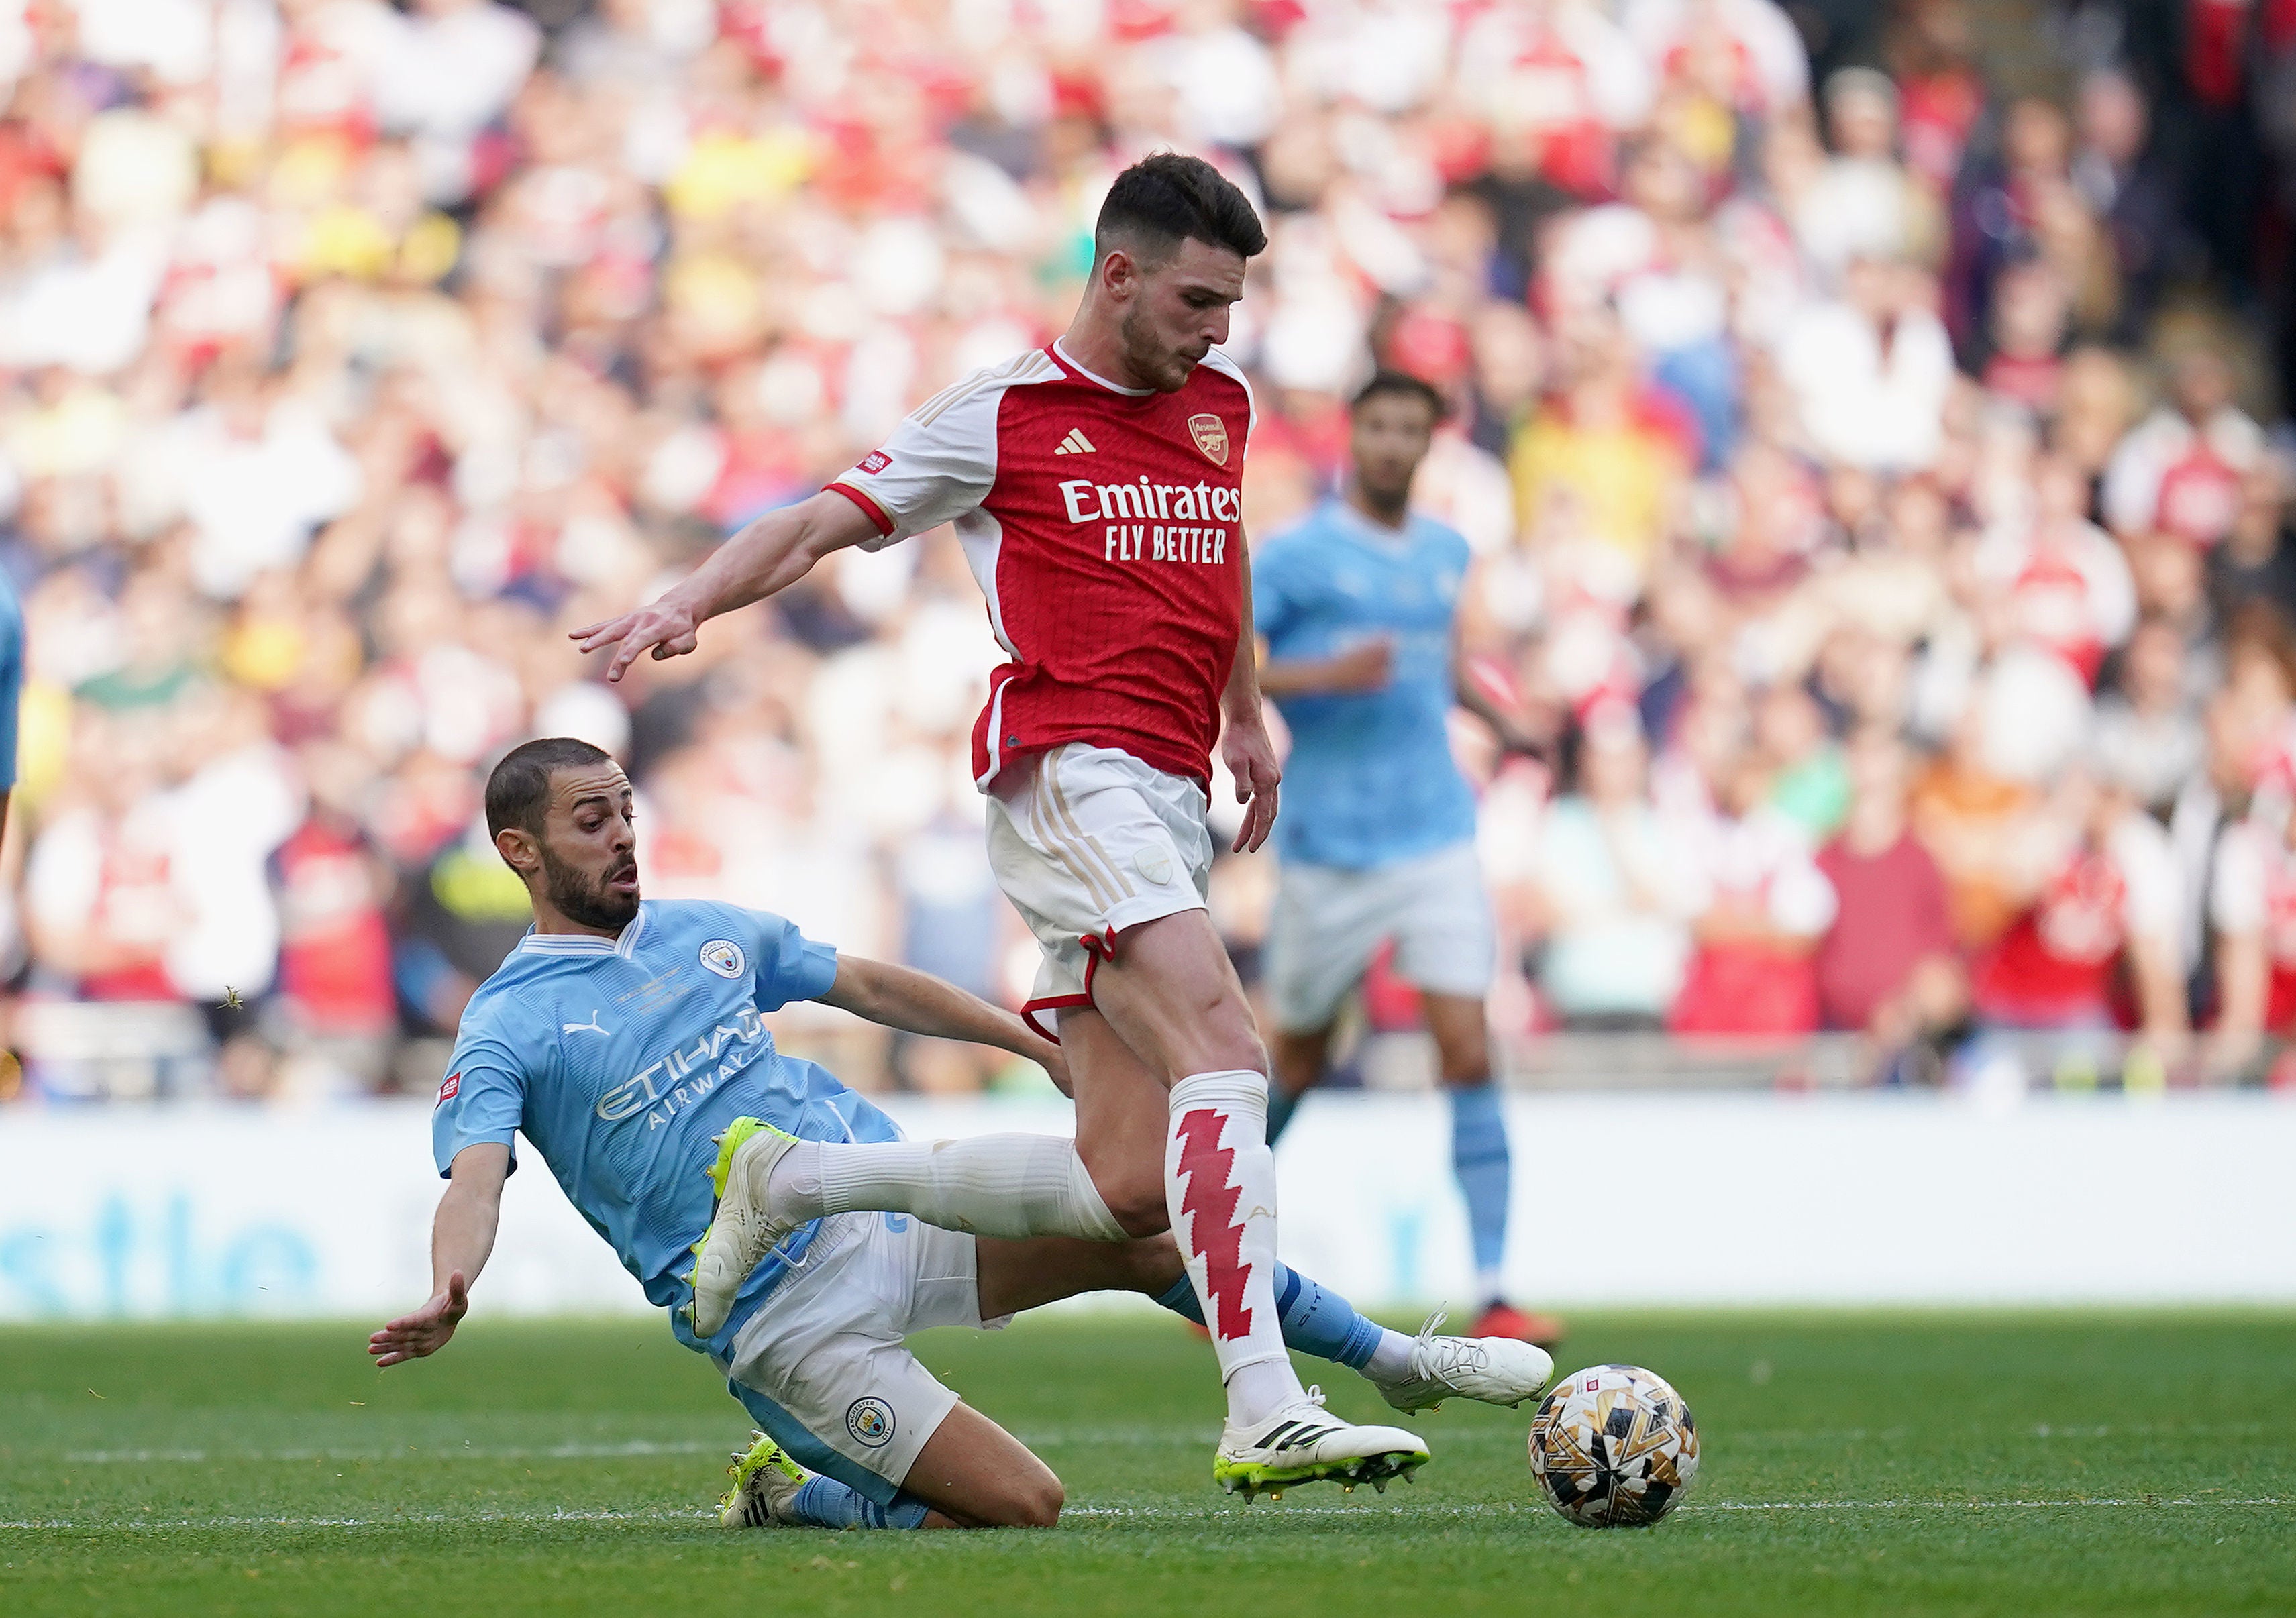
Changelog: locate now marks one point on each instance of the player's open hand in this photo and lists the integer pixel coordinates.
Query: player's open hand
(1250, 754)
(424, 1332)
(665, 627)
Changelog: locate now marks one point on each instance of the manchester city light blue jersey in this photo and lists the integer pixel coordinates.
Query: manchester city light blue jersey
(619, 1059)
(1370, 779)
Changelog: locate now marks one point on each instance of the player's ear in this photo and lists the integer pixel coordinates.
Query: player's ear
(1119, 273)
(520, 850)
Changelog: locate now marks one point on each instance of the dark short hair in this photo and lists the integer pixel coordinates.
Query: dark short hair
(1168, 197)
(1401, 384)
(519, 784)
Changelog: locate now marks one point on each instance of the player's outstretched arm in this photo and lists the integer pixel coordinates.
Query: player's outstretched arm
(1366, 666)
(769, 555)
(461, 1238)
(917, 1002)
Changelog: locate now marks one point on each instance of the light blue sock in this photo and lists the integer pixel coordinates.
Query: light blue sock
(826, 1503)
(1280, 1105)
(1478, 1157)
(1317, 1320)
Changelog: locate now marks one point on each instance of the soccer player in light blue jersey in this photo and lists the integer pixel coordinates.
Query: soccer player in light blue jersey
(1358, 604)
(624, 1039)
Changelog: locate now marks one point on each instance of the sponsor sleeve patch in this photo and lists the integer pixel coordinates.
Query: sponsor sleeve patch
(450, 1089)
(876, 461)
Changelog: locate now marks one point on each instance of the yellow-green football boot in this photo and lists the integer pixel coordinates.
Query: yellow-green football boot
(765, 1481)
(742, 1229)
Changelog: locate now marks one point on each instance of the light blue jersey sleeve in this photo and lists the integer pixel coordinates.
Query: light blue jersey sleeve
(12, 677)
(1275, 581)
(483, 1098)
(790, 966)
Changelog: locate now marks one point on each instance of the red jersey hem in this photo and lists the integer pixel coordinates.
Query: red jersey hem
(1194, 767)
(869, 508)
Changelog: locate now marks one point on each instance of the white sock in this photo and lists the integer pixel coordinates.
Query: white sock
(1390, 1361)
(1219, 1186)
(986, 1185)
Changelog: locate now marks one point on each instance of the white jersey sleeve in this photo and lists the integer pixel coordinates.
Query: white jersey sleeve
(1219, 360)
(940, 461)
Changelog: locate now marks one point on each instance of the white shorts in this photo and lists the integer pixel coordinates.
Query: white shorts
(1330, 922)
(822, 1364)
(1086, 841)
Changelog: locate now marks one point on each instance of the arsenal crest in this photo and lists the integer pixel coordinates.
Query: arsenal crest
(1211, 433)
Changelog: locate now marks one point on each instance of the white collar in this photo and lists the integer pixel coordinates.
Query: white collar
(1062, 349)
(585, 943)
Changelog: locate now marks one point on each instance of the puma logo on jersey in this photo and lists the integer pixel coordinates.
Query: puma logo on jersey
(1076, 444)
(589, 1028)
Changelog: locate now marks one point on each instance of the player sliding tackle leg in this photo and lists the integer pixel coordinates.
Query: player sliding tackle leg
(1011, 1187)
(1097, 485)
(972, 1472)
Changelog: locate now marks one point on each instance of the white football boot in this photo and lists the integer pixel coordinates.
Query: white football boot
(1496, 1370)
(765, 1481)
(742, 1230)
(1300, 1445)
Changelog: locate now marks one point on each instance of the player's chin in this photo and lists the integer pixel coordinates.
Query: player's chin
(611, 904)
(1176, 376)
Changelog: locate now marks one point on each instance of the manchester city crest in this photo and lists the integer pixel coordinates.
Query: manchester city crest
(724, 957)
(870, 1421)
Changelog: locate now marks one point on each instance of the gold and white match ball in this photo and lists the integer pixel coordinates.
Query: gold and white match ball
(1613, 1447)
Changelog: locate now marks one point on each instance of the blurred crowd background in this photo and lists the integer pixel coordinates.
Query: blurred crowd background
(1870, 418)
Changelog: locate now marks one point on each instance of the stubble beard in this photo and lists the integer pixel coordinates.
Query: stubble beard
(1163, 368)
(1391, 505)
(580, 899)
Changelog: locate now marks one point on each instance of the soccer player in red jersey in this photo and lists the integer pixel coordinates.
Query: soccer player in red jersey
(1097, 486)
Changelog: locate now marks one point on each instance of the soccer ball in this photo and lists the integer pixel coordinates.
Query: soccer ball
(1613, 1447)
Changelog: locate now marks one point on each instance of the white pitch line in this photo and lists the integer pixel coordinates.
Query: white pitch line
(1100, 1437)
(413, 1520)
(1971, 1505)
(1144, 1514)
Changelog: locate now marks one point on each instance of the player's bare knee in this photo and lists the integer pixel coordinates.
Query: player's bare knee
(1140, 1208)
(1031, 1501)
(1466, 1067)
(1133, 1191)
(1154, 1264)
(1040, 1506)
(1217, 1037)
(1464, 1057)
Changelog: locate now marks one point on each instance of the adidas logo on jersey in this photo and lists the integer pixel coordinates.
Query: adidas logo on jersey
(1076, 444)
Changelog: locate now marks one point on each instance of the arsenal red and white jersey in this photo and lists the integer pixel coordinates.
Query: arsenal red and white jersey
(1105, 526)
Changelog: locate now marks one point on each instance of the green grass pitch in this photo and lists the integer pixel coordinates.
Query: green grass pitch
(2018, 1464)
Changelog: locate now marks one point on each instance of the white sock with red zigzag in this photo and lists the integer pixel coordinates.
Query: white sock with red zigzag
(1220, 1186)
